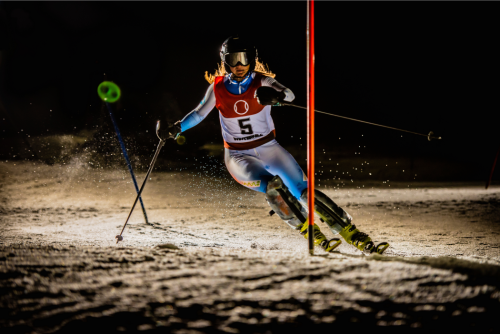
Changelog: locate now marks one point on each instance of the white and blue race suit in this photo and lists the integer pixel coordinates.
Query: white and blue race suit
(252, 167)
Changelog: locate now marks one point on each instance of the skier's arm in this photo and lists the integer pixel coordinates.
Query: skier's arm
(288, 95)
(200, 112)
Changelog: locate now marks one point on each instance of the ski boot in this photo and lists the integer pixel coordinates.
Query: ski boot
(320, 238)
(339, 222)
(361, 240)
(294, 214)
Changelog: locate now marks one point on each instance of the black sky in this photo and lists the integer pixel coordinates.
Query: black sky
(417, 66)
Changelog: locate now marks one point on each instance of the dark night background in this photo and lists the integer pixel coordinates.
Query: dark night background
(415, 66)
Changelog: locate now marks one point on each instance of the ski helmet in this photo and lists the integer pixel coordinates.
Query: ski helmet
(236, 50)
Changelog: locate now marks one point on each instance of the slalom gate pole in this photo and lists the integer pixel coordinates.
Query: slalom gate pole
(160, 145)
(125, 155)
(310, 123)
(492, 169)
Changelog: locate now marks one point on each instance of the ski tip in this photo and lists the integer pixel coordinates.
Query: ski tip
(381, 247)
(371, 248)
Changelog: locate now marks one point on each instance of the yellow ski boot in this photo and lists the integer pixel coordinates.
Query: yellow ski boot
(339, 222)
(320, 238)
(361, 240)
(294, 214)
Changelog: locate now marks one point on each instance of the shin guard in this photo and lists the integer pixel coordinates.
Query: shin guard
(334, 216)
(284, 204)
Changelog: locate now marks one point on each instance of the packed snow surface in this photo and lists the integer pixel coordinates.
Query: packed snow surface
(214, 260)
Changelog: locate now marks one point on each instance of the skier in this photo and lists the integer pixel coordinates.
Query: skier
(253, 156)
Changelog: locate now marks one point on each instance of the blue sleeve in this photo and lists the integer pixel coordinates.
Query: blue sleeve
(190, 120)
(200, 112)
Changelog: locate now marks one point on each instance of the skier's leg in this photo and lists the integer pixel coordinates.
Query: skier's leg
(333, 215)
(286, 207)
(284, 190)
(294, 214)
(339, 222)
(279, 162)
(247, 169)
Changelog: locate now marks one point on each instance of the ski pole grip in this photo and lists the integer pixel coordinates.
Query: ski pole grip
(158, 129)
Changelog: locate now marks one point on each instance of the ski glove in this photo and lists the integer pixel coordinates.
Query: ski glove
(172, 131)
(289, 95)
(270, 96)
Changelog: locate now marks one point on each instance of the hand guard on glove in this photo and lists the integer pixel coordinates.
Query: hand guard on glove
(172, 131)
(268, 96)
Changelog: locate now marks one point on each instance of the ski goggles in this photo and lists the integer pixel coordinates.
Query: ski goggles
(232, 59)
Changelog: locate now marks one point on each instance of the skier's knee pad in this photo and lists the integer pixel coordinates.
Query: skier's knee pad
(284, 204)
(334, 216)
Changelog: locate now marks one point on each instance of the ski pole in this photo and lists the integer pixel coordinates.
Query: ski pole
(429, 136)
(160, 145)
(125, 155)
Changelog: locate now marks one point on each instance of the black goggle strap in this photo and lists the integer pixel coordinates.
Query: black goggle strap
(232, 59)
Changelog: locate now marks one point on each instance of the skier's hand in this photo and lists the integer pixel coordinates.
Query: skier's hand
(289, 96)
(269, 96)
(172, 131)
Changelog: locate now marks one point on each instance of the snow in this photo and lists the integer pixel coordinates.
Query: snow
(237, 267)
